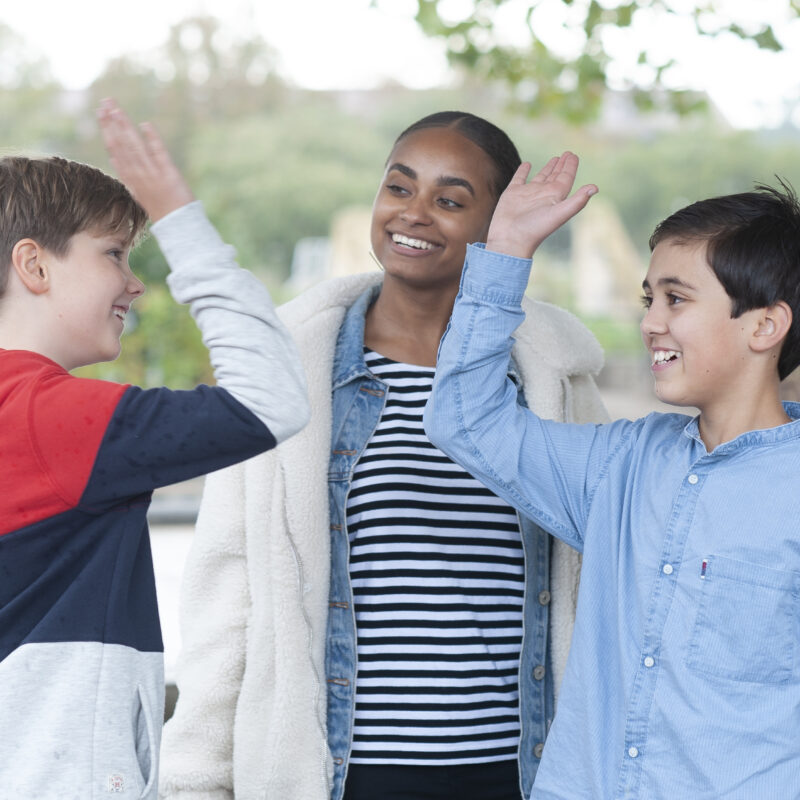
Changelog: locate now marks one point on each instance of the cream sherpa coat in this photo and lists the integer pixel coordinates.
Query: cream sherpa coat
(250, 720)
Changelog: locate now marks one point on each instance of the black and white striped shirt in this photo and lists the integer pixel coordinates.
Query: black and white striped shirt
(436, 566)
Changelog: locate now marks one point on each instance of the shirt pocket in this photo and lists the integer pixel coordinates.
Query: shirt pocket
(744, 629)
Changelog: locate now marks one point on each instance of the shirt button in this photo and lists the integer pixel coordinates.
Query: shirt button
(693, 479)
(667, 569)
(538, 750)
(633, 752)
(544, 597)
(538, 672)
(649, 661)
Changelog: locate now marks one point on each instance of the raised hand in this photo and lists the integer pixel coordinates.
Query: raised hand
(528, 212)
(142, 162)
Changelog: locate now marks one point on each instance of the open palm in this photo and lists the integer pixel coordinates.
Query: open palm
(529, 211)
(142, 162)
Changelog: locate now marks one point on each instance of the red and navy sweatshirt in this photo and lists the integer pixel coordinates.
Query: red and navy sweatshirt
(81, 655)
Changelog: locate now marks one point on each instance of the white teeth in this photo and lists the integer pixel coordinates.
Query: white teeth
(662, 356)
(419, 244)
(119, 312)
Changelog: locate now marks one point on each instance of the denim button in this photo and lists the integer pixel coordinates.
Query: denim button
(538, 750)
(538, 672)
(667, 569)
(693, 479)
(633, 752)
(544, 597)
(649, 661)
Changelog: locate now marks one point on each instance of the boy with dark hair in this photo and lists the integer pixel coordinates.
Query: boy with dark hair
(81, 657)
(683, 680)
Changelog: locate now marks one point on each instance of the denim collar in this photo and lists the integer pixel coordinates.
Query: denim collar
(348, 361)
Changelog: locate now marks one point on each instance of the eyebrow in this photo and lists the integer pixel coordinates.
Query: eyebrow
(669, 282)
(444, 180)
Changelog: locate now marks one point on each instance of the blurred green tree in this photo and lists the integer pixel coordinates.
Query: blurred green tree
(272, 179)
(564, 64)
(32, 114)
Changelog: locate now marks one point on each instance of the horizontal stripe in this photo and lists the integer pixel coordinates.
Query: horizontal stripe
(436, 569)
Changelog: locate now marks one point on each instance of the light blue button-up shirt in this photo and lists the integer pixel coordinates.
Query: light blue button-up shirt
(683, 681)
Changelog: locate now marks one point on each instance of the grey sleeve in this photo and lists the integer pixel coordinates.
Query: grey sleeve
(252, 353)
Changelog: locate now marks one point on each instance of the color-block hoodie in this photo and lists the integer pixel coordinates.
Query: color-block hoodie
(81, 656)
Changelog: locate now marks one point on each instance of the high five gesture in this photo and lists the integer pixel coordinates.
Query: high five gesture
(528, 212)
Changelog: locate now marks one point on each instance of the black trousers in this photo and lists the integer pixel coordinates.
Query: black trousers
(495, 781)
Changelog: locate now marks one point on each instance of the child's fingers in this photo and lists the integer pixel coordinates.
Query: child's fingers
(570, 206)
(151, 138)
(565, 170)
(520, 176)
(155, 147)
(126, 147)
(546, 171)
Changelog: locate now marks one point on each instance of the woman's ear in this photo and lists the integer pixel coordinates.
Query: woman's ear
(29, 263)
(773, 326)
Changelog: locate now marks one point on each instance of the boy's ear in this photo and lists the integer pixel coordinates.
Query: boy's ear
(29, 263)
(773, 325)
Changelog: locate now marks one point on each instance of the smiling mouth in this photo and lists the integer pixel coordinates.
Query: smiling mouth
(664, 357)
(416, 244)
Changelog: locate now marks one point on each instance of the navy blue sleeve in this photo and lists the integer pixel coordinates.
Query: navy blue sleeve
(160, 436)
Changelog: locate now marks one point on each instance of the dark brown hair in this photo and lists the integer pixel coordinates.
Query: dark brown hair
(491, 139)
(49, 200)
(753, 246)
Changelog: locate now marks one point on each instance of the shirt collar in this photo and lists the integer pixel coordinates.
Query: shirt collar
(767, 436)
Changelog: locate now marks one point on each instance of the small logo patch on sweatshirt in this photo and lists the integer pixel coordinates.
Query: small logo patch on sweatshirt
(116, 783)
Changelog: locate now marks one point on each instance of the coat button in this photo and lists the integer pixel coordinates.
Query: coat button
(538, 672)
(538, 750)
(544, 597)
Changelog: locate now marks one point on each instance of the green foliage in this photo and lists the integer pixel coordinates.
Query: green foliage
(273, 164)
(272, 179)
(30, 115)
(650, 178)
(571, 85)
(618, 337)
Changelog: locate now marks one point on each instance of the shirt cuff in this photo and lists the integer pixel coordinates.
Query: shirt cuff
(494, 277)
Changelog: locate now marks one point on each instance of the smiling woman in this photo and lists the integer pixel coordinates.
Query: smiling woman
(386, 591)
(437, 195)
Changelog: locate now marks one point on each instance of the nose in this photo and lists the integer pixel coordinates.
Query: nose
(653, 321)
(416, 211)
(134, 287)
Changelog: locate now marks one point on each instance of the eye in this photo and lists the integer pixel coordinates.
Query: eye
(647, 301)
(116, 254)
(396, 189)
(673, 299)
(446, 202)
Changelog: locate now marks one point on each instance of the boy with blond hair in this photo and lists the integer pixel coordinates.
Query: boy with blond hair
(81, 656)
(683, 680)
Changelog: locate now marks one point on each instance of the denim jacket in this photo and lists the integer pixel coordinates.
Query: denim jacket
(358, 400)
